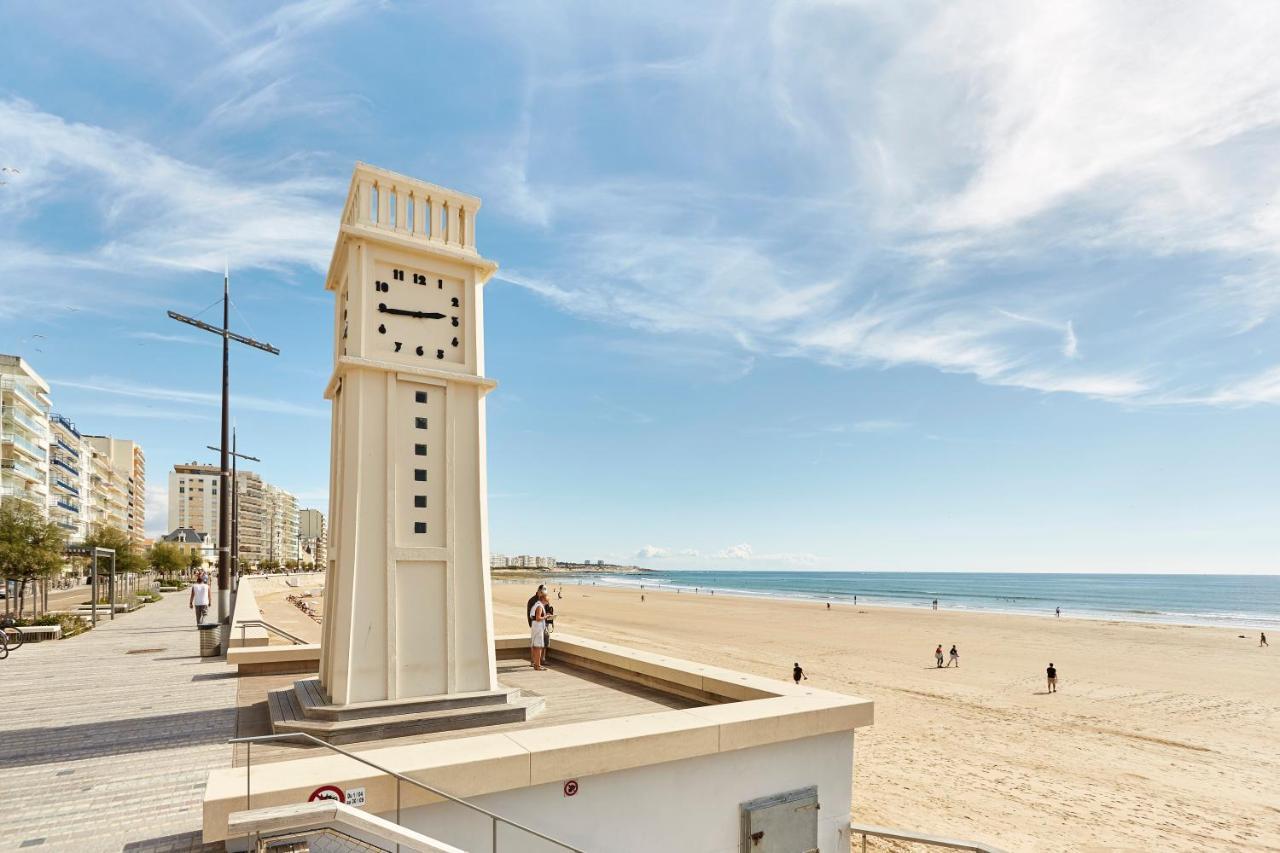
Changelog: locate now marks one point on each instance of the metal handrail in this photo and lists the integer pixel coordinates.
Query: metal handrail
(864, 830)
(399, 777)
(258, 623)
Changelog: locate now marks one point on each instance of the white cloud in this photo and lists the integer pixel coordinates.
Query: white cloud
(181, 397)
(653, 552)
(155, 211)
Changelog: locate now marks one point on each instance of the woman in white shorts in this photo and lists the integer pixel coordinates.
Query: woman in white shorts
(538, 630)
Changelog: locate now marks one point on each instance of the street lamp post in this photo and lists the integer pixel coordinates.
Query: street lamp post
(224, 502)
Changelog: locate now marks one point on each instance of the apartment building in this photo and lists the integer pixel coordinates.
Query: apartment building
(24, 433)
(129, 476)
(313, 539)
(522, 561)
(46, 459)
(268, 514)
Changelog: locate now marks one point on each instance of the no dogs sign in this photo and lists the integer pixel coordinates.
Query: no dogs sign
(327, 792)
(571, 787)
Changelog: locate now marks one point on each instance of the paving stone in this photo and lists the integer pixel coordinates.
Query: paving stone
(104, 749)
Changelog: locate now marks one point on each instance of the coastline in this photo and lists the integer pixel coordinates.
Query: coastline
(660, 581)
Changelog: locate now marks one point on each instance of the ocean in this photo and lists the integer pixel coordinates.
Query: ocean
(1240, 601)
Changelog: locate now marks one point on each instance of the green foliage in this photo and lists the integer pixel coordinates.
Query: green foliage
(166, 559)
(31, 547)
(195, 561)
(127, 557)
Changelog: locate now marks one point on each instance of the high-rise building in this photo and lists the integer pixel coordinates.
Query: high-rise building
(78, 481)
(268, 514)
(129, 467)
(24, 433)
(313, 538)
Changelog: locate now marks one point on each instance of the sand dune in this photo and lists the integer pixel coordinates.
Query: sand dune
(1161, 737)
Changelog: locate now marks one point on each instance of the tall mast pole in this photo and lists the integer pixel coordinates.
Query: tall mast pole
(224, 499)
(235, 509)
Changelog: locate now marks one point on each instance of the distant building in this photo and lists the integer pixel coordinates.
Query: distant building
(313, 538)
(268, 515)
(524, 561)
(188, 540)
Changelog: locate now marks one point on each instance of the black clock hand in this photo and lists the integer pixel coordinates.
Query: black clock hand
(428, 315)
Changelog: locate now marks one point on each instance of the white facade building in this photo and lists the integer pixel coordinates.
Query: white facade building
(24, 433)
(268, 514)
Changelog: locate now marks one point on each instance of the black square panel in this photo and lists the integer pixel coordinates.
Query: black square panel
(419, 396)
(420, 501)
(419, 527)
(420, 423)
(420, 449)
(420, 474)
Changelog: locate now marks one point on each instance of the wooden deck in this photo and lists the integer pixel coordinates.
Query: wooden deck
(571, 694)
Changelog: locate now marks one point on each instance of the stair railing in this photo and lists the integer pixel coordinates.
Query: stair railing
(865, 830)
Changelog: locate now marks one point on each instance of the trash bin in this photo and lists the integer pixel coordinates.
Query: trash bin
(210, 639)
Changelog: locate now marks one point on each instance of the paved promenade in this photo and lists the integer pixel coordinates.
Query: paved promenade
(106, 738)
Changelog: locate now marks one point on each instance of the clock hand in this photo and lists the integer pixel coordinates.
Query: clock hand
(428, 315)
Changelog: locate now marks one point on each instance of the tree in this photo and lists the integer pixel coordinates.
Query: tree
(31, 546)
(196, 561)
(166, 560)
(127, 557)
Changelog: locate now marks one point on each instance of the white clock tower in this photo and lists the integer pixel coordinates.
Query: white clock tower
(407, 613)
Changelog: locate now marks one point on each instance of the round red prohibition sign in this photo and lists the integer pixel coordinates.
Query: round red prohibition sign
(327, 792)
(571, 787)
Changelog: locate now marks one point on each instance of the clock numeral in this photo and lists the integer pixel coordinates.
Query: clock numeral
(439, 353)
(381, 286)
(419, 350)
(439, 284)
(455, 342)
(382, 330)
(455, 321)
(454, 302)
(398, 275)
(419, 278)
(398, 346)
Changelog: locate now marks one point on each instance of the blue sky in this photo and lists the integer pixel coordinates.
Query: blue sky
(919, 286)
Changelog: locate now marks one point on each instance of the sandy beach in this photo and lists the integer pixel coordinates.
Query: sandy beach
(1161, 737)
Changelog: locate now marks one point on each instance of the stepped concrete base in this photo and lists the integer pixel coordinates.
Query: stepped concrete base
(305, 708)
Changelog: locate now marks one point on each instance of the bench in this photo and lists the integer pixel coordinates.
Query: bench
(41, 632)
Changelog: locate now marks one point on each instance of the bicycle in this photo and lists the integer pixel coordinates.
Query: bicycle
(11, 636)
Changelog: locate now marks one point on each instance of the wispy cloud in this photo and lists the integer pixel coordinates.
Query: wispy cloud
(742, 553)
(179, 396)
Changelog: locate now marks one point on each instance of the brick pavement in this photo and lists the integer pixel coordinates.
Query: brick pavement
(106, 739)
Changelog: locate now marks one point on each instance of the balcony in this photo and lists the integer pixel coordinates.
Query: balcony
(20, 493)
(13, 415)
(34, 403)
(66, 525)
(25, 471)
(65, 423)
(68, 506)
(21, 444)
(75, 454)
(75, 472)
(63, 484)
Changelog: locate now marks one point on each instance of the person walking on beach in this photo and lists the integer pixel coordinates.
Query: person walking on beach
(955, 657)
(828, 605)
(797, 672)
(1052, 674)
(1057, 611)
(642, 598)
(538, 629)
(937, 655)
(199, 598)
(935, 604)
(1262, 639)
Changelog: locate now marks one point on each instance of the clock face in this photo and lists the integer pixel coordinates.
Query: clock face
(416, 315)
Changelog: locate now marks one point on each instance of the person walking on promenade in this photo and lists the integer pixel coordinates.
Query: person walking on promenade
(538, 629)
(1262, 639)
(1052, 674)
(937, 655)
(198, 600)
(955, 657)
(797, 672)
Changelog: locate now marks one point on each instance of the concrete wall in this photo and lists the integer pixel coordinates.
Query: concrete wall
(690, 805)
(246, 608)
